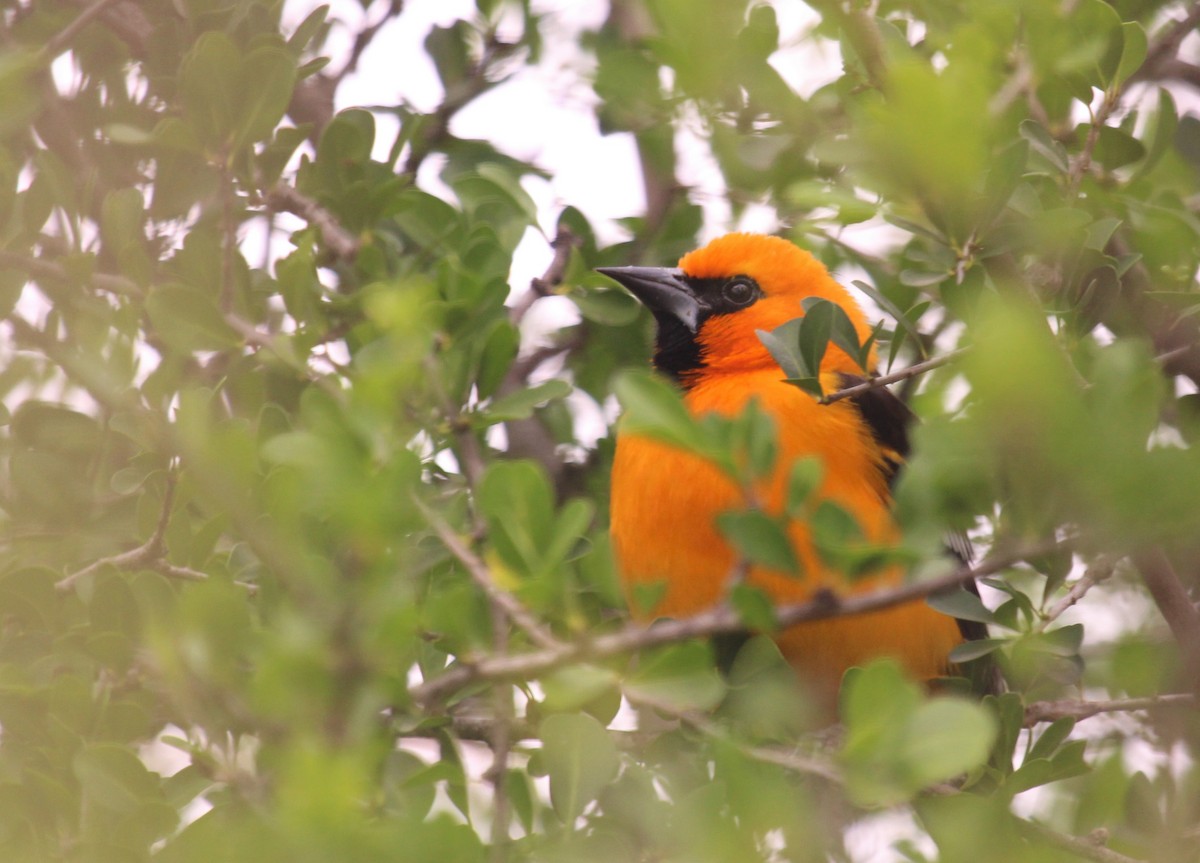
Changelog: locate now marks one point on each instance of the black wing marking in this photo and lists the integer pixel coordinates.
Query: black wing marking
(888, 418)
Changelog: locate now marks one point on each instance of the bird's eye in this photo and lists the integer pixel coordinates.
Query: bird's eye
(739, 292)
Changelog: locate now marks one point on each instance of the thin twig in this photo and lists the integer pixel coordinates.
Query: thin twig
(716, 621)
(62, 39)
(39, 268)
(149, 551)
(482, 576)
(1089, 848)
(790, 760)
(473, 83)
(1165, 45)
(501, 740)
(912, 371)
(1100, 570)
(1048, 711)
(564, 241)
(89, 375)
(343, 245)
(1175, 606)
(364, 37)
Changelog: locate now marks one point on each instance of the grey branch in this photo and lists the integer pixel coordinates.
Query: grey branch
(1048, 711)
(912, 371)
(716, 621)
(512, 608)
(1175, 606)
(341, 242)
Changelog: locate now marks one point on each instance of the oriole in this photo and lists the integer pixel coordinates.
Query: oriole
(664, 501)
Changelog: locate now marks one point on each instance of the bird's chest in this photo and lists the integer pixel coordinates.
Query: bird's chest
(665, 500)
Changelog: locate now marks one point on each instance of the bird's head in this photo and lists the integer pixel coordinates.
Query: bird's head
(710, 307)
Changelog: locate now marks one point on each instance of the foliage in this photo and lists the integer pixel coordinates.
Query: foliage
(287, 493)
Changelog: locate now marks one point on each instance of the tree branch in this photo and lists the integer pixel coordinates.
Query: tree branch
(883, 380)
(1090, 848)
(1164, 47)
(717, 621)
(148, 552)
(1100, 570)
(1176, 607)
(62, 39)
(39, 268)
(1048, 711)
(562, 244)
(512, 608)
(339, 241)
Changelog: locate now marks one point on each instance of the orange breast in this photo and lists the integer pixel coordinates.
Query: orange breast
(664, 503)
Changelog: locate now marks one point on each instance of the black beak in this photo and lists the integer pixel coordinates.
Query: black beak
(663, 290)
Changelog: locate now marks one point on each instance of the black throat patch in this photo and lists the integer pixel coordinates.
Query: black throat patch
(677, 352)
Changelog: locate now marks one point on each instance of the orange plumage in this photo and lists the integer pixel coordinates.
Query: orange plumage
(664, 501)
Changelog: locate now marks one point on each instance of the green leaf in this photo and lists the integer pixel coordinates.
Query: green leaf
(841, 331)
(781, 344)
(1043, 144)
(188, 320)
(610, 308)
(580, 759)
(652, 407)
(679, 677)
(875, 699)
(1133, 52)
(816, 329)
(113, 778)
(963, 604)
(761, 539)
(1051, 738)
(518, 502)
(975, 648)
(263, 104)
(209, 86)
(308, 29)
(944, 738)
(520, 404)
(754, 607)
(804, 478)
(574, 686)
(1100, 232)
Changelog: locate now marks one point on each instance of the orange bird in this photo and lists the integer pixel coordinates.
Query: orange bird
(664, 501)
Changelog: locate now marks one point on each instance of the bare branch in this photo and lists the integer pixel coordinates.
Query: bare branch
(716, 621)
(1164, 47)
(1100, 570)
(91, 376)
(149, 551)
(38, 268)
(341, 243)
(129, 22)
(1048, 711)
(364, 37)
(564, 241)
(912, 371)
(62, 40)
(474, 83)
(482, 576)
(1176, 607)
(1091, 848)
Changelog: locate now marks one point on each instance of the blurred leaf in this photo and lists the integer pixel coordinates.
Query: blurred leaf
(681, 677)
(963, 604)
(760, 538)
(519, 404)
(580, 760)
